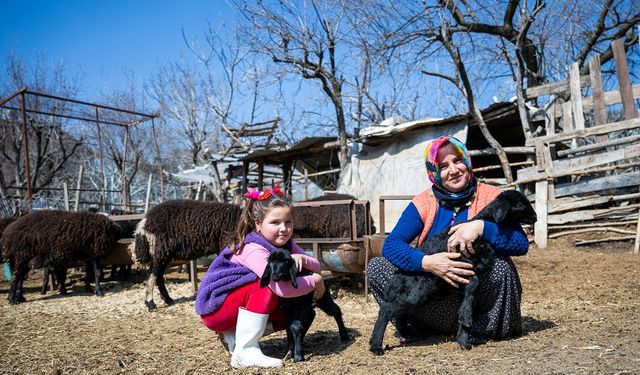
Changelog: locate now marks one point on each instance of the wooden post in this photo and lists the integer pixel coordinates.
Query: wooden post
(193, 273)
(381, 215)
(65, 192)
(540, 229)
(576, 96)
(78, 186)
(599, 114)
(260, 175)
(306, 184)
(146, 200)
(636, 246)
(198, 190)
(624, 81)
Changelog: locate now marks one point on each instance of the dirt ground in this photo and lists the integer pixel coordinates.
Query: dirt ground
(581, 309)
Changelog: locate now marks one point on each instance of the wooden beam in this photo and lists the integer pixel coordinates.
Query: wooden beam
(576, 96)
(540, 228)
(624, 81)
(581, 163)
(597, 184)
(554, 88)
(595, 130)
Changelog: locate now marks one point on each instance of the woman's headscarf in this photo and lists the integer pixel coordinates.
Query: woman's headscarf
(431, 162)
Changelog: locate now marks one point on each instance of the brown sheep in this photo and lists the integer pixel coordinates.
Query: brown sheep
(61, 239)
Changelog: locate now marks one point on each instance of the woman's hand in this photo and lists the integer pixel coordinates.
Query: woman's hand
(301, 261)
(320, 288)
(461, 237)
(445, 267)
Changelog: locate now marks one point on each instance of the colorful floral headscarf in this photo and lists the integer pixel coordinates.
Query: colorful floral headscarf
(431, 162)
(431, 157)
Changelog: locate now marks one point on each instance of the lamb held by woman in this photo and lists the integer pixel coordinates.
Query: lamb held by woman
(407, 290)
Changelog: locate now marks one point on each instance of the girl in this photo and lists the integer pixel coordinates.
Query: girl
(230, 300)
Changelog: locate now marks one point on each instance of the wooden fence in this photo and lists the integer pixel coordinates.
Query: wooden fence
(586, 170)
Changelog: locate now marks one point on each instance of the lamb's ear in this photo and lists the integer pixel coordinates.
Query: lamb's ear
(266, 276)
(501, 211)
(294, 274)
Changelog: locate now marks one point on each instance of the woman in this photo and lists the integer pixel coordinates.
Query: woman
(454, 197)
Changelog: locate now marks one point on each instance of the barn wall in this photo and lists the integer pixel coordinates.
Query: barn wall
(393, 168)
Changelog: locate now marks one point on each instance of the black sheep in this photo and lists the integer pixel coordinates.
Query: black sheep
(407, 290)
(60, 239)
(181, 229)
(299, 312)
(330, 221)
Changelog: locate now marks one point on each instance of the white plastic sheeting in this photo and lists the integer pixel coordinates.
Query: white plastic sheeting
(393, 168)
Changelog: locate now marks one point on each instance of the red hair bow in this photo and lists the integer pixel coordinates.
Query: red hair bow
(256, 194)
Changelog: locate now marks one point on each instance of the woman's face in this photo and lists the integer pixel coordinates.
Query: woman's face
(454, 173)
(277, 226)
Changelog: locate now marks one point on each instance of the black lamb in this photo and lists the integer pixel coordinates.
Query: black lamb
(407, 290)
(60, 239)
(183, 230)
(299, 312)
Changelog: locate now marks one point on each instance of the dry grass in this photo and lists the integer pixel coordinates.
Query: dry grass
(581, 309)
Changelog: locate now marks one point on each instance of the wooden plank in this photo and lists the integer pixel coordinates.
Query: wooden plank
(610, 97)
(624, 81)
(573, 173)
(567, 118)
(600, 129)
(576, 96)
(581, 163)
(585, 215)
(599, 114)
(126, 217)
(600, 146)
(550, 120)
(636, 245)
(575, 203)
(554, 88)
(597, 184)
(540, 228)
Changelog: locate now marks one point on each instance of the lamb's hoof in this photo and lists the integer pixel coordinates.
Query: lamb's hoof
(298, 358)
(465, 345)
(16, 301)
(169, 302)
(43, 292)
(63, 292)
(99, 293)
(150, 305)
(377, 350)
(346, 337)
(478, 340)
(21, 299)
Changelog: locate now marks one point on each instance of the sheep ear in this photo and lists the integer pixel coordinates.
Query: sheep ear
(266, 276)
(294, 274)
(501, 211)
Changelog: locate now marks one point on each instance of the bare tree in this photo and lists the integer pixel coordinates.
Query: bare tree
(182, 96)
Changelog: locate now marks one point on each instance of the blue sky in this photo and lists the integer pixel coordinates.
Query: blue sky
(104, 38)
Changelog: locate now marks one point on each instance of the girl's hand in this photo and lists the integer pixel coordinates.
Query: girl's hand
(320, 288)
(301, 261)
(445, 267)
(462, 237)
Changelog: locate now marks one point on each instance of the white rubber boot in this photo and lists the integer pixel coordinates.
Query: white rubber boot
(228, 339)
(247, 351)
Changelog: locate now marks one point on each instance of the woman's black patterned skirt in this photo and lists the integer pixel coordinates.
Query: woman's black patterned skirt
(497, 304)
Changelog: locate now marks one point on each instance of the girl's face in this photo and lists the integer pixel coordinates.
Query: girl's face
(454, 173)
(277, 226)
